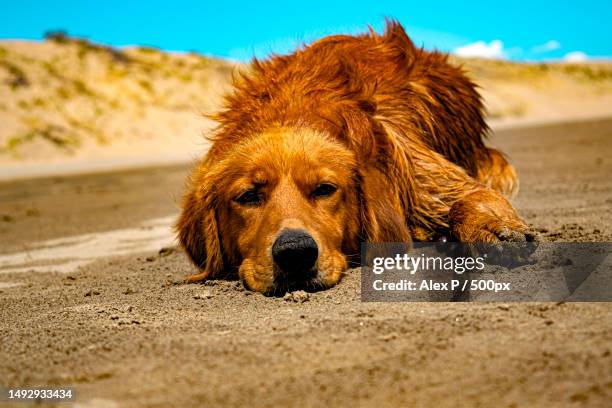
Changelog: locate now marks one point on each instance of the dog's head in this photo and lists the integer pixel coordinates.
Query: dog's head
(294, 183)
(287, 209)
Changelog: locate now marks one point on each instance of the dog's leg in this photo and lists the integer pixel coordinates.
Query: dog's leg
(485, 215)
(498, 174)
(449, 197)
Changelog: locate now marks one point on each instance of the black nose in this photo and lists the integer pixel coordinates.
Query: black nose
(295, 250)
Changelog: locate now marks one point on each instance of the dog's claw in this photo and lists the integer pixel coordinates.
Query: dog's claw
(515, 247)
(510, 235)
(507, 234)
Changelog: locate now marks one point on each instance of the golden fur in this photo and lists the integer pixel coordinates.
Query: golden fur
(397, 132)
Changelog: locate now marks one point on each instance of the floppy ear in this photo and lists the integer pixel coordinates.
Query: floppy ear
(382, 214)
(198, 232)
(385, 182)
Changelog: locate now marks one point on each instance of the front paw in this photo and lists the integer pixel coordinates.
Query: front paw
(524, 234)
(488, 221)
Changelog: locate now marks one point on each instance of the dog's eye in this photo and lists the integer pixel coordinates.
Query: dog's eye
(324, 190)
(249, 197)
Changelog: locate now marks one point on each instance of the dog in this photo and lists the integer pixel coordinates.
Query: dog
(352, 139)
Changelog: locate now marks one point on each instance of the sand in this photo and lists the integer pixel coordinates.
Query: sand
(124, 331)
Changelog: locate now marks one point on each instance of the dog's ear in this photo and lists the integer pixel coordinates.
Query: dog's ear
(198, 231)
(382, 214)
(387, 189)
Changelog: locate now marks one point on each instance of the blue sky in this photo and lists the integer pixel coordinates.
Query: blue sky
(535, 30)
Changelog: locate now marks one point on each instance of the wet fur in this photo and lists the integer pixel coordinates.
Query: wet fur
(413, 121)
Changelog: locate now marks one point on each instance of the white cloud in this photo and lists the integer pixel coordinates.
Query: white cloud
(575, 56)
(546, 47)
(494, 50)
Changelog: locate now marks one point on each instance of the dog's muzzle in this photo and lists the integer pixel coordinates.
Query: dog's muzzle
(295, 252)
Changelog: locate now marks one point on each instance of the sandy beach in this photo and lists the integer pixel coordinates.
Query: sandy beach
(91, 297)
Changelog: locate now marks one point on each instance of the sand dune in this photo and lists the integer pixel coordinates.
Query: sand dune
(74, 104)
(61, 100)
(521, 93)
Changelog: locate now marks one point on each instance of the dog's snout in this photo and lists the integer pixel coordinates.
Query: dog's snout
(295, 250)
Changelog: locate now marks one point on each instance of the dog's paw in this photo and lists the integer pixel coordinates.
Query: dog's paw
(514, 247)
(488, 223)
(506, 234)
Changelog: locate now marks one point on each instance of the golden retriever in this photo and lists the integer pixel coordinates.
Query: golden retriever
(351, 139)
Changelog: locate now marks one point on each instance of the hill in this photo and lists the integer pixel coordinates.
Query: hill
(65, 97)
